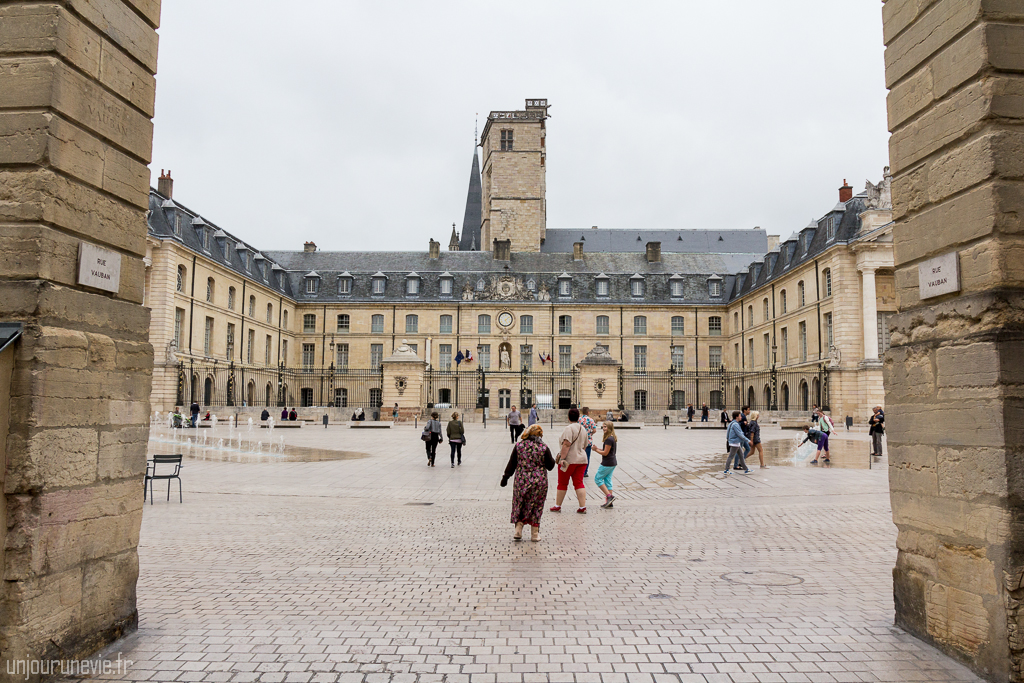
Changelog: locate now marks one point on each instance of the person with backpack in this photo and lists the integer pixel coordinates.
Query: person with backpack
(431, 437)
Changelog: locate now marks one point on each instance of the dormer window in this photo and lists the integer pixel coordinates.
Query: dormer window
(261, 264)
(531, 285)
(675, 284)
(412, 284)
(177, 224)
(565, 285)
(602, 285)
(345, 283)
(312, 283)
(714, 286)
(378, 282)
(206, 240)
(447, 283)
(227, 250)
(480, 285)
(636, 286)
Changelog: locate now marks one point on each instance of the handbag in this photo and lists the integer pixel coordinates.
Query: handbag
(425, 436)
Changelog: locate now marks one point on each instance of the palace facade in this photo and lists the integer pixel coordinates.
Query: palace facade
(509, 310)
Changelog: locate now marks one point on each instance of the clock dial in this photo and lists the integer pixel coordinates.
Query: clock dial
(505, 319)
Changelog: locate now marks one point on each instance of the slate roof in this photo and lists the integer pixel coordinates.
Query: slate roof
(470, 239)
(559, 240)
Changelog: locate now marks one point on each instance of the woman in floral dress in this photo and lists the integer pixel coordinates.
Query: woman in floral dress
(529, 460)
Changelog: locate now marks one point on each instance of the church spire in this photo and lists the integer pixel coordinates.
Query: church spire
(453, 243)
(474, 207)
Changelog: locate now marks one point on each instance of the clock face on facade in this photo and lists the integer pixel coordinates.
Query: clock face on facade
(505, 319)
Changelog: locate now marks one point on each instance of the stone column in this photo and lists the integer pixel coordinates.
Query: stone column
(599, 382)
(403, 383)
(870, 313)
(76, 101)
(954, 406)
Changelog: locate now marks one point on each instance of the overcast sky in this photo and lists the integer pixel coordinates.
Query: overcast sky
(350, 122)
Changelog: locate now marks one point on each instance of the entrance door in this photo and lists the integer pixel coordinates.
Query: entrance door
(208, 391)
(504, 399)
(307, 397)
(564, 399)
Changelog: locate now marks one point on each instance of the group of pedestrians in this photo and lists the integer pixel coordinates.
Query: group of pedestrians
(743, 435)
(531, 459)
(818, 433)
(705, 412)
(431, 436)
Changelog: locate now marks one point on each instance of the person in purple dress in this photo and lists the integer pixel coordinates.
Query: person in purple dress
(529, 460)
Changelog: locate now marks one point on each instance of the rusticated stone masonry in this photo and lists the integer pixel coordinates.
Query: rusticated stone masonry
(76, 101)
(954, 374)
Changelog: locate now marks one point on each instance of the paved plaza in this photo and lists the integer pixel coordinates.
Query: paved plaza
(347, 559)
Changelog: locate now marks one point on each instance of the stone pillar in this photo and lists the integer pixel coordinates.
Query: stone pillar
(599, 382)
(403, 383)
(954, 406)
(76, 99)
(870, 315)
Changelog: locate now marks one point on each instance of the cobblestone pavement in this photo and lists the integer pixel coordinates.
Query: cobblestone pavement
(374, 568)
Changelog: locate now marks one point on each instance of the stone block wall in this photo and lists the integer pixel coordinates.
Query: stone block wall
(76, 98)
(955, 70)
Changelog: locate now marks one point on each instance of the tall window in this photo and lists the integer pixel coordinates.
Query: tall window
(883, 331)
(377, 325)
(444, 356)
(802, 341)
(284, 351)
(736, 355)
(177, 224)
(782, 301)
(231, 298)
(564, 287)
(341, 356)
(750, 316)
(526, 356)
(284, 320)
(801, 293)
(267, 351)
(208, 337)
(251, 342)
(181, 279)
(378, 285)
(445, 326)
(252, 307)
(309, 323)
(767, 350)
(483, 324)
(785, 346)
(639, 359)
(526, 324)
(565, 324)
(826, 277)
(640, 324)
(344, 285)
(308, 356)
(206, 240)
(209, 289)
(750, 353)
(564, 358)
(829, 338)
(715, 288)
(676, 288)
(678, 357)
(506, 141)
(412, 286)
(715, 326)
(678, 325)
(767, 310)
(715, 356)
(602, 324)
(602, 287)
(230, 342)
(270, 313)
(344, 323)
(446, 286)
(376, 355)
(179, 316)
(636, 287)
(311, 285)
(485, 356)
(412, 323)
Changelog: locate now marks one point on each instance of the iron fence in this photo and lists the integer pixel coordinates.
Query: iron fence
(211, 383)
(499, 389)
(721, 389)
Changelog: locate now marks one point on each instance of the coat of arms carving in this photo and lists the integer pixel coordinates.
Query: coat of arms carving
(505, 288)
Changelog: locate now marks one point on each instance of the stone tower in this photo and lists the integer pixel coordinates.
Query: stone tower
(514, 186)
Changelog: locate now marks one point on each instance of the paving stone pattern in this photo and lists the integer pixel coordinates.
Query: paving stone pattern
(328, 571)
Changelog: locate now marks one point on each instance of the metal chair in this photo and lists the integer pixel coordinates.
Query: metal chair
(151, 474)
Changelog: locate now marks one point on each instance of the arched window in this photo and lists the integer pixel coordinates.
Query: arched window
(209, 289)
(826, 278)
(252, 306)
(231, 298)
(483, 324)
(640, 324)
(801, 293)
(182, 274)
(412, 323)
(270, 313)
(766, 310)
(602, 324)
(782, 301)
(678, 324)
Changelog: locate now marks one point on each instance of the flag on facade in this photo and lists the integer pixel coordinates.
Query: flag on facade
(469, 356)
(459, 358)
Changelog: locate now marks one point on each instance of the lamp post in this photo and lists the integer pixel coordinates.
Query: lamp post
(775, 378)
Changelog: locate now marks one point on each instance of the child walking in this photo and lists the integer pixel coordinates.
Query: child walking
(607, 451)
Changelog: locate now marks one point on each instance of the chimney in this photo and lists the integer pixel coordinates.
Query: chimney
(502, 250)
(845, 192)
(435, 249)
(309, 247)
(165, 185)
(593, 227)
(653, 252)
(577, 251)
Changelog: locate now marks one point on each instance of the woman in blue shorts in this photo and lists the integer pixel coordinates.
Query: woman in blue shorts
(607, 451)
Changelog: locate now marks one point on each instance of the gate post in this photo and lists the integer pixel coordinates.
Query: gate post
(593, 378)
(775, 389)
(402, 377)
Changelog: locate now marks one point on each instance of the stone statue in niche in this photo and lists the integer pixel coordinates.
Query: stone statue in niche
(505, 359)
(834, 357)
(172, 350)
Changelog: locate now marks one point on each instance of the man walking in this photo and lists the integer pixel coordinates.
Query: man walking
(877, 430)
(737, 442)
(572, 463)
(515, 423)
(690, 413)
(704, 413)
(591, 427)
(534, 418)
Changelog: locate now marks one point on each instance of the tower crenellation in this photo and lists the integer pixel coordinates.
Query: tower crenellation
(514, 177)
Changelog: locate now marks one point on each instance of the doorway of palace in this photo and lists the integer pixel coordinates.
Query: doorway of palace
(504, 399)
